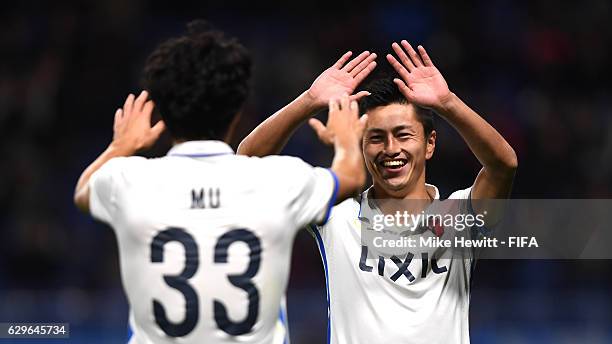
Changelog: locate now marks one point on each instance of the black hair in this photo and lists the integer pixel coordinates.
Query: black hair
(198, 81)
(385, 92)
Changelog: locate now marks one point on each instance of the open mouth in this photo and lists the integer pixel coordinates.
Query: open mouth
(393, 164)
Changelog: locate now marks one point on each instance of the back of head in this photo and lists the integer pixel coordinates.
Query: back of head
(384, 92)
(199, 82)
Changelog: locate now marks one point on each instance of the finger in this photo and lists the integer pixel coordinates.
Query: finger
(344, 103)
(403, 57)
(412, 53)
(333, 105)
(363, 120)
(157, 129)
(139, 102)
(365, 72)
(342, 60)
(118, 118)
(398, 67)
(354, 62)
(405, 90)
(354, 108)
(363, 65)
(147, 109)
(426, 60)
(127, 106)
(359, 95)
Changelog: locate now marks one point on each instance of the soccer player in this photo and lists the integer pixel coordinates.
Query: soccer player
(399, 300)
(205, 235)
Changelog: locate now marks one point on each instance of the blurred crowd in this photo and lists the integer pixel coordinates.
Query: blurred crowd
(538, 71)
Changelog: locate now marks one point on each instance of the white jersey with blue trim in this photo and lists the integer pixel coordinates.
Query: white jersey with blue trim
(205, 239)
(374, 299)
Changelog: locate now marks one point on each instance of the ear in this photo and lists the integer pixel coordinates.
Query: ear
(431, 145)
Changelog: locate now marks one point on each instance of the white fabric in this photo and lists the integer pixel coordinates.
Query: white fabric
(365, 307)
(269, 197)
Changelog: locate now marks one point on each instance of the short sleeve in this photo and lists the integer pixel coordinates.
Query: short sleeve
(102, 190)
(310, 192)
(464, 198)
(475, 232)
(461, 194)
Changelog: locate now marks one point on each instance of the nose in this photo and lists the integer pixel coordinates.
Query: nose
(392, 147)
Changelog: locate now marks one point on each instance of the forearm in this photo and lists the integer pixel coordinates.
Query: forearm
(272, 134)
(81, 192)
(348, 166)
(490, 148)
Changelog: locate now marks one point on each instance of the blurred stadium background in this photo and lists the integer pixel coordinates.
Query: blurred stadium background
(539, 71)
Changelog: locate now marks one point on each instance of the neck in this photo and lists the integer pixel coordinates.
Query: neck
(413, 198)
(416, 190)
(178, 141)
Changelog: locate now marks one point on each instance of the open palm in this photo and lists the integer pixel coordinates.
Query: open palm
(421, 82)
(341, 79)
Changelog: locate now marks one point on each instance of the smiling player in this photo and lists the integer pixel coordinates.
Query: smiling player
(398, 300)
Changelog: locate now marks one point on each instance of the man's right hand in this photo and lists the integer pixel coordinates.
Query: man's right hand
(342, 78)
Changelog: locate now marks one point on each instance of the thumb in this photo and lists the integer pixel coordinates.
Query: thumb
(321, 130)
(157, 129)
(317, 126)
(359, 95)
(362, 124)
(405, 90)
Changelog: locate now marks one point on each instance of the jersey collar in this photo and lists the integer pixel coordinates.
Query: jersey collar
(432, 190)
(366, 207)
(201, 149)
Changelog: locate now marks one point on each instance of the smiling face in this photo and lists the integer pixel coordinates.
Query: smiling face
(395, 149)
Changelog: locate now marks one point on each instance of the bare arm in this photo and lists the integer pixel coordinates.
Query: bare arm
(132, 132)
(271, 135)
(497, 157)
(342, 78)
(423, 84)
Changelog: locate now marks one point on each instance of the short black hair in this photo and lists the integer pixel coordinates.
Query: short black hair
(198, 81)
(384, 92)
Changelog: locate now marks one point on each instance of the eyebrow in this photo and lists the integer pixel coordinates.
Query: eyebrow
(403, 127)
(375, 130)
(394, 129)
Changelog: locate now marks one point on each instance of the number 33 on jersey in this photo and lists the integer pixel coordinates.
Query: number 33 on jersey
(205, 239)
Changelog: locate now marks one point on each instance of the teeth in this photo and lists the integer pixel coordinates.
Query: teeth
(393, 163)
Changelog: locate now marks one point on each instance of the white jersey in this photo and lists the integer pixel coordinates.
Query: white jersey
(372, 299)
(205, 239)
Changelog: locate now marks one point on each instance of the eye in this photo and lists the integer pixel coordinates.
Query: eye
(375, 138)
(404, 135)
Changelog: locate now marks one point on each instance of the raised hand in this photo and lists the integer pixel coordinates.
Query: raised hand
(421, 82)
(342, 78)
(343, 123)
(132, 127)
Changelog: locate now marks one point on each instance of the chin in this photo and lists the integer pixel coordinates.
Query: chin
(396, 183)
(394, 187)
